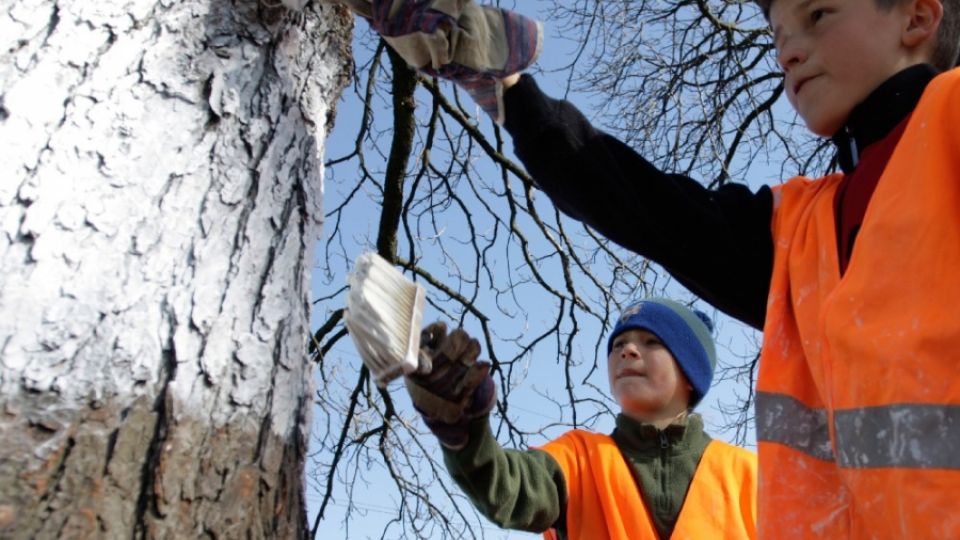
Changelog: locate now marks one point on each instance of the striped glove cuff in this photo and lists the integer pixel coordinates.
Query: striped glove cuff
(472, 45)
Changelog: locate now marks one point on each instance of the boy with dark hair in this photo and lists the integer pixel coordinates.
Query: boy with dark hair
(658, 475)
(852, 277)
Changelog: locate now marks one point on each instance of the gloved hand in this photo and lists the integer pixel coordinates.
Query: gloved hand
(472, 45)
(455, 389)
(360, 7)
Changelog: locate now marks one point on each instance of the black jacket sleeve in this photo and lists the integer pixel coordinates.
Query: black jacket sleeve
(717, 243)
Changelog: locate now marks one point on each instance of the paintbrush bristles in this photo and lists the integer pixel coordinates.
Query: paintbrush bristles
(384, 313)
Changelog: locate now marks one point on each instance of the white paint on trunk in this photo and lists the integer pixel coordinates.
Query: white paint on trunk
(160, 197)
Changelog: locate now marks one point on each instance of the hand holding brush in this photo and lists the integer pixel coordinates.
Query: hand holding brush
(447, 384)
(455, 389)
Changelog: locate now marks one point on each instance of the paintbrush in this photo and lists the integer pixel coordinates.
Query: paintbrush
(383, 315)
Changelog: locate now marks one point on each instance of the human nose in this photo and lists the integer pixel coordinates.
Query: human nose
(630, 350)
(790, 52)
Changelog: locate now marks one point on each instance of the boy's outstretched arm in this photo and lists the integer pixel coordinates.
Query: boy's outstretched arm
(514, 489)
(717, 243)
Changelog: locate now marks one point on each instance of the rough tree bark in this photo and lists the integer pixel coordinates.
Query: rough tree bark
(160, 195)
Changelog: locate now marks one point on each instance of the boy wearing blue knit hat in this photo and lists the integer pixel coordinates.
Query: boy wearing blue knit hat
(658, 475)
(677, 340)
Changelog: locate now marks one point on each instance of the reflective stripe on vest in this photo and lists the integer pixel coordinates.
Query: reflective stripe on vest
(604, 501)
(784, 420)
(920, 436)
(858, 407)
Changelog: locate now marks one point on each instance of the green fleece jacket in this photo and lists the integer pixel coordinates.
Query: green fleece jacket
(526, 490)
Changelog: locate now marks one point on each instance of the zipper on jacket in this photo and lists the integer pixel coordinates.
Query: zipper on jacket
(854, 152)
(664, 445)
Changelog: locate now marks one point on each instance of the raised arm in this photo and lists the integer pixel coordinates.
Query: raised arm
(717, 242)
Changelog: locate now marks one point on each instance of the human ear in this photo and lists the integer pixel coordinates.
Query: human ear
(925, 17)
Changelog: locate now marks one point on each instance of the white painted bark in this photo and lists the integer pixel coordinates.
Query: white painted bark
(159, 200)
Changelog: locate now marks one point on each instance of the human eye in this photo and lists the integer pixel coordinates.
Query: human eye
(818, 12)
(653, 341)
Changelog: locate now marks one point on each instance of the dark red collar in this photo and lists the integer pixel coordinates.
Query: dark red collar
(883, 110)
(864, 147)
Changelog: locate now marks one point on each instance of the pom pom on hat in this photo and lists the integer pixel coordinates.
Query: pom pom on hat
(707, 321)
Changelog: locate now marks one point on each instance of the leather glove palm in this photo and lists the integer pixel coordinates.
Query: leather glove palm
(455, 389)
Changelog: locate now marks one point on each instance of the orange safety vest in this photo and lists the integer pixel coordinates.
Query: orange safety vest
(858, 405)
(604, 501)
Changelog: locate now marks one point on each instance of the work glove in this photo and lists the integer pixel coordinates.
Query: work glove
(472, 45)
(451, 388)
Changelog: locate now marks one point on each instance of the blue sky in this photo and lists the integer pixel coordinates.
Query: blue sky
(375, 503)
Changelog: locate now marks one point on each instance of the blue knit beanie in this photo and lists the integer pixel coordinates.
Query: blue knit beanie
(685, 332)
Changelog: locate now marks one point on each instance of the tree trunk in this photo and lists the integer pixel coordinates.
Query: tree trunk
(160, 196)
